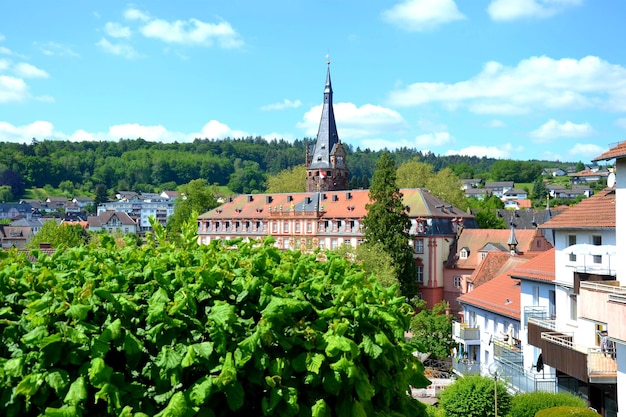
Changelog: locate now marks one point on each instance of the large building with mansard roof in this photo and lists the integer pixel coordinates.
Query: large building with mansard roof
(328, 215)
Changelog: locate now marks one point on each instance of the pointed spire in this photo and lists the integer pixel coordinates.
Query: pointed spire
(512, 242)
(327, 136)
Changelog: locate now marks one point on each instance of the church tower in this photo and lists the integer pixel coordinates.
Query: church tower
(326, 159)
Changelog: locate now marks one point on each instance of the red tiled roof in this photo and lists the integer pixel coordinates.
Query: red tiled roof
(334, 204)
(593, 212)
(501, 295)
(618, 151)
(496, 263)
(476, 239)
(540, 268)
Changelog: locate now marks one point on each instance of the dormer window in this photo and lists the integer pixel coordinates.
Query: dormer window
(464, 253)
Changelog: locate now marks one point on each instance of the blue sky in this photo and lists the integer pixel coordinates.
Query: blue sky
(520, 79)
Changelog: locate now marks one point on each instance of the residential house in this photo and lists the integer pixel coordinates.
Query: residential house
(471, 247)
(82, 201)
(170, 195)
(479, 193)
(34, 224)
(493, 311)
(553, 172)
(140, 207)
(56, 204)
(514, 194)
(563, 192)
(112, 221)
(517, 204)
(569, 341)
(14, 210)
(466, 184)
(499, 188)
(14, 236)
(587, 176)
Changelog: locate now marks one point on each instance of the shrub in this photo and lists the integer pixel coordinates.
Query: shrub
(527, 404)
(566, 411)
(173, 331)
(473, 396)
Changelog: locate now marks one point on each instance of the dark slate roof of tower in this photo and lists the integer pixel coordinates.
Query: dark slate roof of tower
(327, 136)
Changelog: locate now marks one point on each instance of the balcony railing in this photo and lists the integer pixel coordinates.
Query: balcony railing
(601, 365)
(464, 332)
(466, 367)
(527, 381)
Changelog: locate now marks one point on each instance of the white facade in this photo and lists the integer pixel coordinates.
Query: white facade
(142, 211)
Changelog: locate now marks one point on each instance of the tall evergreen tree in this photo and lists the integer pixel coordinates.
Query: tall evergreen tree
(388, 223)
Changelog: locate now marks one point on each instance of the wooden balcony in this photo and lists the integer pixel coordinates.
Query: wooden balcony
(559, 351)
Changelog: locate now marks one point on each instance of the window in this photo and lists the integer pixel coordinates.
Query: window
(309, 227)
(297, 227)
(346, 242)
(596, 240)
(419, 246)
(571, 240)
(285, 227)
(535, 295)
(274, 227)
(472, 319)
(457, 282)
(419, 295)
(463, 254)
(333, 244)
(597, 259)
(482, 255)
(322, 244)
(420, 274)
(573, 307)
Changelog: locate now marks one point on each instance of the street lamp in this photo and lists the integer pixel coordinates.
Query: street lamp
(495, 369)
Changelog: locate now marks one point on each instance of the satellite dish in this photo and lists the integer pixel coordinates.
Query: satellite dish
(610, 182)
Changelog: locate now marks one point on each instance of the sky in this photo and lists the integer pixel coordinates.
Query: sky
(511, 79)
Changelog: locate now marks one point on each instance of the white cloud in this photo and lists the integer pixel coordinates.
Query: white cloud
(134, 130)
(500, 152)
(186, 32)
(5, 51)
(116, 30)
(553, 130)
(585, 151)
(26, 70)
(356, 122)
(4, 64)
(422, 15)
(12, 89)
(535, 83)
(54, 49)
(123, 50)
(39, 129)
(83, 136)
(433, 139)
(217, 130)
(135, 14)
(285, 104)
(505, 10)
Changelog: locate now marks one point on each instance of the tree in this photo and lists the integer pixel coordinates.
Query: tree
(414, 174)
(568, 411)
(181, 329)
(374, 261)
(13, 180)
(101, 195)
(197, 197)
(60, 234)
(529, 403)
(473, 396)
(432, 329)
(5, 194)
(539, 190)
(387, 223)
(292, 180)
(485, 212)
(447, 187)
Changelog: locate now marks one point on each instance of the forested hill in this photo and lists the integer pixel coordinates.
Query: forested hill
(240, 164)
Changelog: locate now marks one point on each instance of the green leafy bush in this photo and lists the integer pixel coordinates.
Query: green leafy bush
(236, 330)
(473, 396)
(567, 411)
(527, 404)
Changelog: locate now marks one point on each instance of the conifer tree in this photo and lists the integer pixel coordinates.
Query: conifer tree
(388, 223)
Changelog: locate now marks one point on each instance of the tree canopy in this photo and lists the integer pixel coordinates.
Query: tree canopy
(59, 234)
(432, 329)
(291, 180)
(474, 396)
(387, 223)
(181, 329)
(195, 197)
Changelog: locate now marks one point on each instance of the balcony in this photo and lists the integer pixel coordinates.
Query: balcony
(560, 351)
(605, 302)
(466, 367)
(520, 380)
(465, 334)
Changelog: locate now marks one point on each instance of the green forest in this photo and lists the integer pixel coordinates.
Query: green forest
(243, 165)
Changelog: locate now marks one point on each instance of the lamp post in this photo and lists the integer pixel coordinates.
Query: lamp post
(495, 369)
